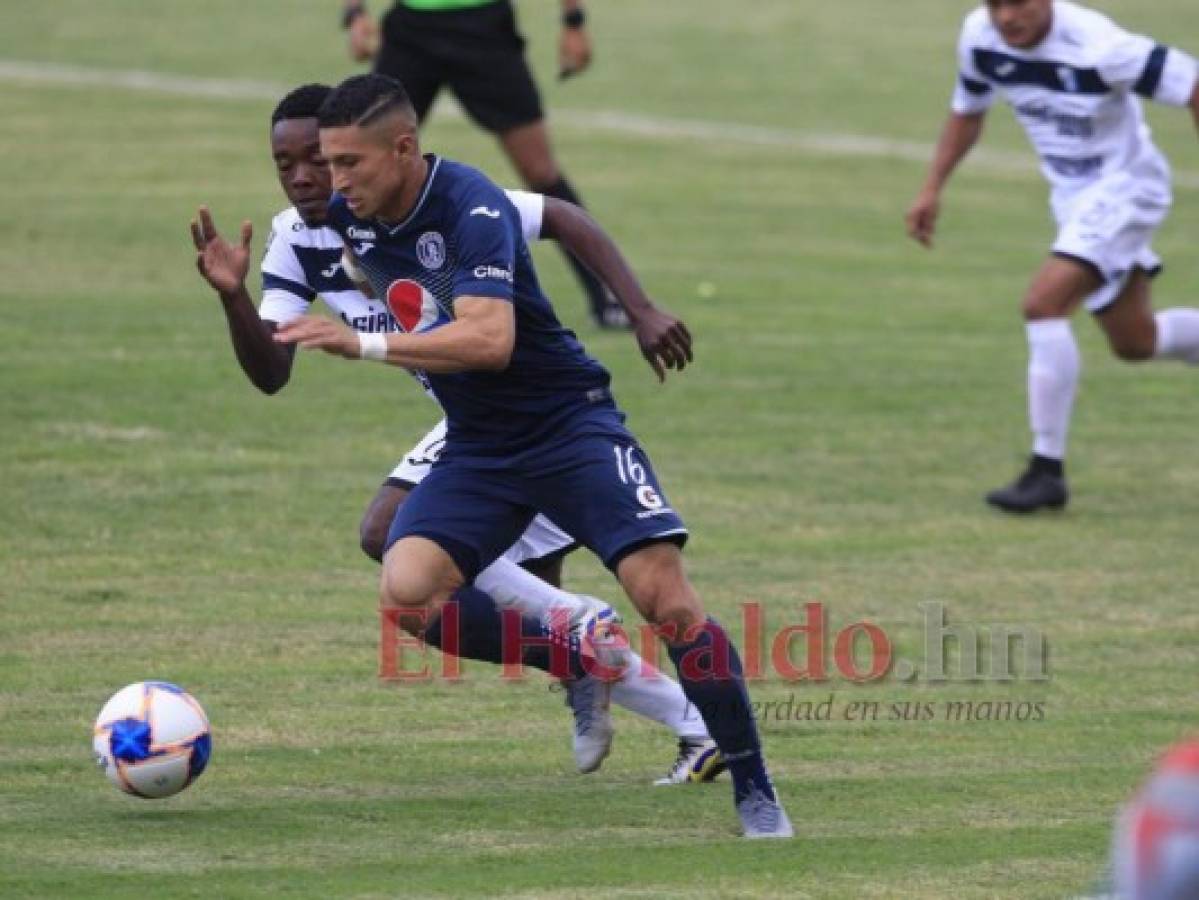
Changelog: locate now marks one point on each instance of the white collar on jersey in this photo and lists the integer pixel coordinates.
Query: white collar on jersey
(434, 165)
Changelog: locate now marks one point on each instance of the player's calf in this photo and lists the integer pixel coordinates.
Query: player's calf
(1129, 323)
(1133, 348)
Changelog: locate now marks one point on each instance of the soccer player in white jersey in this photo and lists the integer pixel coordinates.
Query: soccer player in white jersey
(1074, 79)
(304, 260)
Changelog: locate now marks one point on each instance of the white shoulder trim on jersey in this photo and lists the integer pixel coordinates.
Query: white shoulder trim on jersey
(288, 225)
(285, 221)
(531, 209)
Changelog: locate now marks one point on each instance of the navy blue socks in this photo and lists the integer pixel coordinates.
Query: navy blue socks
(710, 673)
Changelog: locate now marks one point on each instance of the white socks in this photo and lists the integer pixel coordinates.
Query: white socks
(1053, 365)
(1178, 335)
(646, 691)
(512, 587)
(641, 689)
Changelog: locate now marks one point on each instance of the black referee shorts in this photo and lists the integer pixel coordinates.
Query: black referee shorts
(476, 51)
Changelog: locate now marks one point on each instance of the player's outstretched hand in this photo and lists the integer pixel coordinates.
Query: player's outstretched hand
(319, 333)
(223, 265)
(664, 340)
(922, 217)
(574, 52)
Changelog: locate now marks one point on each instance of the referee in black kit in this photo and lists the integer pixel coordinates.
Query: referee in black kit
(474, 47)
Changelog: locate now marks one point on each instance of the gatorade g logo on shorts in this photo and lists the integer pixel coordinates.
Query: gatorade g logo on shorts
(413, 307)
(648, 497)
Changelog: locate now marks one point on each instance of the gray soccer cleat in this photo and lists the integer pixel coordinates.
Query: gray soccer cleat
(698, 761)
(763, 818)
(588, 699)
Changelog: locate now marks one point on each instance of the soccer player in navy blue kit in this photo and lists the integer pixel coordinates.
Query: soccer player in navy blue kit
(532, 425)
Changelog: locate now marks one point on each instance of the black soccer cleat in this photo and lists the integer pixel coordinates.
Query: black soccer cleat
(1034, 489)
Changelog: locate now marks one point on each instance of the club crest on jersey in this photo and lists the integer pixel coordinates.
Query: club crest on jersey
(430, 250)
(413, 307)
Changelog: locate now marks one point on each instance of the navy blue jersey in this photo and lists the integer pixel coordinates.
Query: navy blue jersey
(464, 238)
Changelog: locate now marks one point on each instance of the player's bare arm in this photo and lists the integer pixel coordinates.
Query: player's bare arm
(224, 266)
(480, 338)
(574, 45)
(664, 340)
(958, 136)
(1194, 105)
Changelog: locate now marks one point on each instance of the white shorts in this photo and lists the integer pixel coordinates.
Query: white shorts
(1109, 225)
(542, 539)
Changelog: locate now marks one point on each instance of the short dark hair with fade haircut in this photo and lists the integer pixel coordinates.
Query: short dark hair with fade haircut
(363, 99)
(302, 103)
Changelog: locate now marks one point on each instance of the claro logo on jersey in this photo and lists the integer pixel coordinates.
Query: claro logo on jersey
(361, 234)
(413, 307)
(494, 272)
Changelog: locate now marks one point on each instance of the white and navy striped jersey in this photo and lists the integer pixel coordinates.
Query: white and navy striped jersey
(302, 263)
(1076, 93)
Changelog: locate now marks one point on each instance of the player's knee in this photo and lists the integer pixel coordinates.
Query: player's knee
(673, 616)
(654, 579)
(417, 575)
(405, 588)
(667, 600)
(1038, 306)
(376, 521)
(372, 538)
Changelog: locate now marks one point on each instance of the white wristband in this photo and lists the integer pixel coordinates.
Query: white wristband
(372, 346)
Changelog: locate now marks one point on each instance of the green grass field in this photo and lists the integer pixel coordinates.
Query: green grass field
(851, 400)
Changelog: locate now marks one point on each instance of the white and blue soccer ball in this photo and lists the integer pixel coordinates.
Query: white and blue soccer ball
(152, 739)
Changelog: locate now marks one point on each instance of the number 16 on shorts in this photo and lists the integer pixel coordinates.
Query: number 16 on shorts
(632, 472)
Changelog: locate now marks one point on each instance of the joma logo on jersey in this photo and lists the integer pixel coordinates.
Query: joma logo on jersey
(361, 234)
(493, 272)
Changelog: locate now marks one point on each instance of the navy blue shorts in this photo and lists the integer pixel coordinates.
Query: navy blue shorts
(600, 489)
